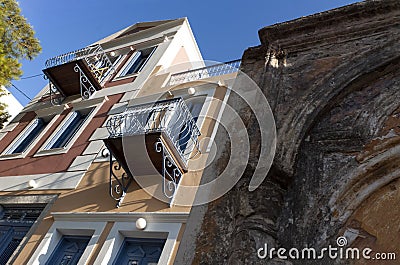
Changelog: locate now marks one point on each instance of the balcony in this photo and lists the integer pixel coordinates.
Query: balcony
(78, 72)
(152, 139)
(205, 72)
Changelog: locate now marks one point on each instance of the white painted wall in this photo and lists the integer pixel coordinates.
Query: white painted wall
(13, 105)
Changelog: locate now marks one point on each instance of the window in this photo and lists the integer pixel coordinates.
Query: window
(68, 129)
(194, 105)
(137, 62)
(140, 251)
(68, 241)
(15, 222)
(27, 137)
(164, 229)
(69, 250)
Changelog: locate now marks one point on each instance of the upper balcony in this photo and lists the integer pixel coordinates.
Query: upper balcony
(78, 72)
(205, 72)
(154, 138)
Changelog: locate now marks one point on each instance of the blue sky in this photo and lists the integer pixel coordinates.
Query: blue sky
(223, 28)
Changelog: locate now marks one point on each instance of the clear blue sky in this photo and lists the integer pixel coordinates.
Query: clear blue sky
(223, 28)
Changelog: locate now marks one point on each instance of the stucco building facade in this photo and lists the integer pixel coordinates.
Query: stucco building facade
(136, 104)
(92, 170)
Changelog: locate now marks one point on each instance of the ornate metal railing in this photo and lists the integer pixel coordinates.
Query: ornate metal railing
(95, 57)
(56, 98)
(171, 117)
(205, 72)
(119, 181)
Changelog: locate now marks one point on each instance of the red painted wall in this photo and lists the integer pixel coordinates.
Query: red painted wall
(51, 163)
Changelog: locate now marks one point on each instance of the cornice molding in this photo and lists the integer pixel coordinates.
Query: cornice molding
(340, 24)
(154, 217)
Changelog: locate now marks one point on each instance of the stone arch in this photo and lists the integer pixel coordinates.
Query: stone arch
(325, 92)
(319, 91)
(349, 152)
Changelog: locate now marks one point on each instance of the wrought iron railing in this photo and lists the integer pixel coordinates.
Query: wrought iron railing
(97, 60)
(171, 117)
(205, 72)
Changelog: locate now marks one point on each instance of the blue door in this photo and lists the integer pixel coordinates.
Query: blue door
(69, 250)
(10, 237)
(15, 222)
(140, 251)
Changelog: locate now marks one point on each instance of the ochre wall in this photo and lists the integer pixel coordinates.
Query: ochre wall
(92, 193)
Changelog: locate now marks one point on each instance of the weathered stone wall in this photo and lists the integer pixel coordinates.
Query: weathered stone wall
(333, 82)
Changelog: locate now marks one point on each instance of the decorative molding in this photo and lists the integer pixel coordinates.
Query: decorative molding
(154, 35)
(93, 148)
(9, 127)
(96, 104)
(50, 181)
(87, 103)
(53, 110)
(82, 162)
(306, 32)
(49, 243)
(99, 134)
(27, 199)
(153, 217)
(120, 230)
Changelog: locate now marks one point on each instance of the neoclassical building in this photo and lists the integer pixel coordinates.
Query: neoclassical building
(91, 168)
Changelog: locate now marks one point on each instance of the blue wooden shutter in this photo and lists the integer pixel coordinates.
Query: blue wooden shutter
(69, 250)
(139, 251)
(67, 130)
(130, 68)
(62, 130)
(15, 222)
(29, 135)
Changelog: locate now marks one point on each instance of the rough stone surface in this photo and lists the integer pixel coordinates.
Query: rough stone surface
(333, 82)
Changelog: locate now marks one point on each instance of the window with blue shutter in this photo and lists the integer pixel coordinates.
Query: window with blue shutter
(15, 222)
(137, 62)
(68, 130)
(140, 251)
(69, 250)
(28, 136)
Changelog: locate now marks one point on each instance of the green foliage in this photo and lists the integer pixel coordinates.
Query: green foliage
(17, 42)
(4, 116)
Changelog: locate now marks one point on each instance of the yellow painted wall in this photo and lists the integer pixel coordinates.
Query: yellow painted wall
(92, 194)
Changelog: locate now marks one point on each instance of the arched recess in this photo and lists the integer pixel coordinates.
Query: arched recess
(349, 152)
(294, 125)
